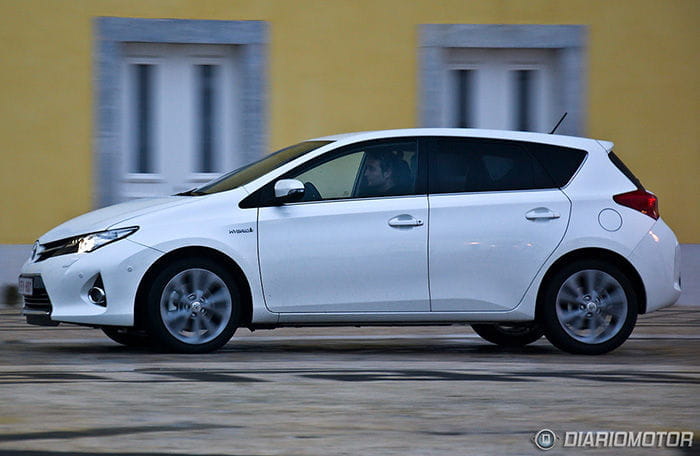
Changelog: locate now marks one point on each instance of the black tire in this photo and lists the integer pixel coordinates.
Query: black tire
(129, 337)
(193, 306)
(588, 307)
(509, 334)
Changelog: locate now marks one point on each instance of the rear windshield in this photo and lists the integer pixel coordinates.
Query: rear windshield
(625, 170)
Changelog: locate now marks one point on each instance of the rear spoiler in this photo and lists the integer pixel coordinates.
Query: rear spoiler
(607, 145)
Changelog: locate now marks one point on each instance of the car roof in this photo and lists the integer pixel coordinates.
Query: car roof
(561, 140)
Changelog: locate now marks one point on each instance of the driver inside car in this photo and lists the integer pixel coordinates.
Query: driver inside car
(384, 174)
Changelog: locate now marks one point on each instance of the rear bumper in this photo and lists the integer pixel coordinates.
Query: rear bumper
(657, 259)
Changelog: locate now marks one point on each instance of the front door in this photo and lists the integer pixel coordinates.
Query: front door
(358, 243)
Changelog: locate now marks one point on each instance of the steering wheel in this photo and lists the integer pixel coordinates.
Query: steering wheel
(311, 193)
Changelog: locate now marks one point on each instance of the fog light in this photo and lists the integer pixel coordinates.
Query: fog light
(96, 295)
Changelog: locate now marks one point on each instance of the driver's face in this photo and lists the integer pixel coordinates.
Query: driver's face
(373, 173)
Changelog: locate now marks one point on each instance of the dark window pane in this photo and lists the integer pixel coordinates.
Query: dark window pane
(523, 100)
(451, 166)
(467, 165)
(206, 77)
(143, 119)
(560, 163)
(509, 167)
(464, 81)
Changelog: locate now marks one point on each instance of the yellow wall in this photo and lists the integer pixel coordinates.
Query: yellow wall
(341, 66)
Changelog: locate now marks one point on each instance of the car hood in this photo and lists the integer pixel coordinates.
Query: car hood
(110, 216)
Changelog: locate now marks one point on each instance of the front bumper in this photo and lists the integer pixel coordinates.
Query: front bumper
(37, 305)
(61, 285)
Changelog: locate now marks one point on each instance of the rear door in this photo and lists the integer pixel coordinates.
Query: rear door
(495, 217)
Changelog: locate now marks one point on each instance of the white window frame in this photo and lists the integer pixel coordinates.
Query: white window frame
(250, 38)
(230, 135)
(175, 149)
(568, 41)
(493, 89)
(127, 137)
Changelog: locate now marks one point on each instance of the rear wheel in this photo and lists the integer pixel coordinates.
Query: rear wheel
(589, 307)
(193, 306)
(509, 334)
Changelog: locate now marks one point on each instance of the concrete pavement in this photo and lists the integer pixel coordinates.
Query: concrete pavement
(341, 391)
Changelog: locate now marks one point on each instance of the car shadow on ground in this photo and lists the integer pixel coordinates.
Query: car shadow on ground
(326, 348)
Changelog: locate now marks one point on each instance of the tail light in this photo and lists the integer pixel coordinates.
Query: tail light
(640, 200)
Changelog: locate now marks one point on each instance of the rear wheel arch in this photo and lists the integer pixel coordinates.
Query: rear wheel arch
(595, 254)
(193, 252)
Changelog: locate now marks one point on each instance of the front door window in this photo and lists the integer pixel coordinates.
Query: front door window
(371, 170)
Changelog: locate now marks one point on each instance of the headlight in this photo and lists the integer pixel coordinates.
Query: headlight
(93, 241)
(79, 244)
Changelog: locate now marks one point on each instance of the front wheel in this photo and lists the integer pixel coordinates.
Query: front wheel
(509, 334)
(193, 306)
(588, 307)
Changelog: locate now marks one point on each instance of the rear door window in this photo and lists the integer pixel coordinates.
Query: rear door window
(460, 165)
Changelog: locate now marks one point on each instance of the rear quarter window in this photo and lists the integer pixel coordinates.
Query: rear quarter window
(561, 163)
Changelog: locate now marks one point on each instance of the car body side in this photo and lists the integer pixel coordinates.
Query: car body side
(648, 246)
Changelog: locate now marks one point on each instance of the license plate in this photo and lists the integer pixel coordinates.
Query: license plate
(26, 286)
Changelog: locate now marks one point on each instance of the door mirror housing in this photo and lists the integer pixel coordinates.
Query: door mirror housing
(288, 191)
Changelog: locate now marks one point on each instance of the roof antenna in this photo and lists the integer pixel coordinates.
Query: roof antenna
(558, 123)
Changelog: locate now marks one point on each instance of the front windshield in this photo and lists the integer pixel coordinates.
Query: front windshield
(252, 171)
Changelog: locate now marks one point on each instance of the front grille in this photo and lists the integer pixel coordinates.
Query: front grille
(38, 302)
(37, 307)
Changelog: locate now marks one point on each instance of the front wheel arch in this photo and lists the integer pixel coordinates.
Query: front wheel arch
(594, 254)
(192, 252)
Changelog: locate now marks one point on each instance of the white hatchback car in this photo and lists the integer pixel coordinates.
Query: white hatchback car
(518, 234)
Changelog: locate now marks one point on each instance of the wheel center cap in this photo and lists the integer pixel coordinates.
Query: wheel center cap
(196, 306)
(591, 307)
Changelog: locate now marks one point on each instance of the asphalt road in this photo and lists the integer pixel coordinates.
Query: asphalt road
(341, 391)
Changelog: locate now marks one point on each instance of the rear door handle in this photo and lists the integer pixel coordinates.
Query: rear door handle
(542, 213)
(404, 220)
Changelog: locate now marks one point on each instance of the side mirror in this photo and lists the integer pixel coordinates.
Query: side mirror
(289, 190)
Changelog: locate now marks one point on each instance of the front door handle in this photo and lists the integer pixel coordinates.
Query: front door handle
(542, 213)
(404, 220)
